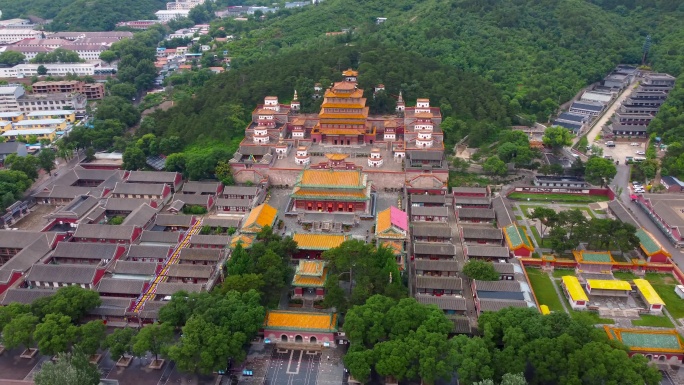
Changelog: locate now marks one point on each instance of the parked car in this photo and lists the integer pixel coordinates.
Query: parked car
(634, 144)
(640, 153)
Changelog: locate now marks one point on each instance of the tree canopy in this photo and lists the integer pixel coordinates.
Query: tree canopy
(68, 369)
(480, 270)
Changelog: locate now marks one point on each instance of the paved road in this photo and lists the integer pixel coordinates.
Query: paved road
(609, 113)
(62, 167)
(622, 180)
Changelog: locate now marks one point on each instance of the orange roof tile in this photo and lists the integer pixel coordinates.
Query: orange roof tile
(314, 268)
(337, 156)
(260, 216)
(350, 72)
(318, 241)
(309, 280)
(342, 115)
(360, 104)
(396, 247)
(245, 240)
(332, 94)
(329, 195)
(283, 319)
(341, 178)
(343, 131)
(344, 86)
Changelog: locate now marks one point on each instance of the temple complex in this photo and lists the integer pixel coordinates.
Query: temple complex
(405, 148)
(331, 190)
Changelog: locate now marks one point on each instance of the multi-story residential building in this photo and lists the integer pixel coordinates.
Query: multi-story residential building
(68, 115)
(9, 96)
(31, 124)
(12, 116)
(51, 102)
(39, 133)
(9, 36)
(183, 4)
(53, 69)
(167, 15)
(94, 90)
(90, 90)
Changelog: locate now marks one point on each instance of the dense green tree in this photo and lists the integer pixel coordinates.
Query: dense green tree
(68, 369)
(117, 108)
(12, 186)
(600, 171)
(90, 336)
(72, 301)
(59, 55)
(46, 159)
(480, 270)
(19, 331)
(11, 58)
(124, 90)
(546, 216)
(153, 338)
(557, 137)
(108, 56)
(42, 70)
(134, 159)
(120, 342)
(26, 164)
(55, 334)
(495, 166)
(242, 283)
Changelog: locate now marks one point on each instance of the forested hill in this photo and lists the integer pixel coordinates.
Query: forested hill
(82, 15)
(218, 112)
(539, 52)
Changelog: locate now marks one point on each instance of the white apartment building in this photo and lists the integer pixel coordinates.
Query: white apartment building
(183, 4)
(9, 96)
(166, 15)
(51, 102)
(9, 36)
(53, 69)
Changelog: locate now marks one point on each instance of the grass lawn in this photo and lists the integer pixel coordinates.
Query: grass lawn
(673, 303)
(655, 278)
(563, 272)
(537, 236)
(591, 214)
(544, 290)
(591, 316)
(519, 217)
(568, 198)
(624, 275)
(526, 209)
(653, 321)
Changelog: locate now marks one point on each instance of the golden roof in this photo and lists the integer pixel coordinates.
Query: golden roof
(318, 241)
(344, 86)
(396, 247)
(337, 194)
(310, 280)
(390, 123)
(357, 93)
(350, 72)
(298, 121)
(343, 131)
(607, 284)
(244, 239)
(337, 156)
(265, 111)
(261, 216)
(574, 288)
(298, 320)
(426, 115)
(648, 292)
(311, 268)
(361, 103)
(343, 115)
(342, 178)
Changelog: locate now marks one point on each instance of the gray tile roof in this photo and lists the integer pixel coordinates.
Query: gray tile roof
(141, 216)
(135, 268)
(425, 155)
(439, 283)
(424, 198)
(240, 190)
(504, 217)
(125, 204)
(513, 286)
(190, 271)
(148, 251)
(200, 254)
(469, 190)
(437, 265)
(109, 232)
(487, 251)
(505, 295)
(28, 256)
(7, 148)
(201, 187)
(192, 199)
(233, 202)
(221, 222)
(174, 220)
(25, 296)
(138, 188)
(151, 309)
(433, 248)
(169, 288)
(481, 232)
(18, 239)
(621, 213)
(112, 306)
(220, 240)
(85, 250)
(120, 286)
(479, 213)
(78, 207)
(445, 302)
(436, 211)
(461, 324)
(69, 192)
(151, 177)
(170, 237)
(504, 268)
(75, 274)
(496, 304)
(459, 200)
(428, 229)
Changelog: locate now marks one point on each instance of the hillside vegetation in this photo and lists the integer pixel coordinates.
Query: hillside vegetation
(82, 15)
(538, 52)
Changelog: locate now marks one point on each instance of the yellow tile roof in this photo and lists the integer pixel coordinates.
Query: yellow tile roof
(318, 241)
(544, 309)
(360, 104)
(283, 319)
(343, 131)
(342, 178)
(261, 216)
(333, 94)
(383, 221)
(246, 241)
(310, 280)
(648, 292)
(574, 288)
(605, 284)
(304, 192)
(337, 156)
(396, 247)
(311, 267)
(350, 72)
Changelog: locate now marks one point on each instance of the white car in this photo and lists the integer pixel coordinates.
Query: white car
(640, 153)
(634, 144)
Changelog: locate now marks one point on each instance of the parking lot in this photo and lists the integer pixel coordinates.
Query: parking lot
(623, 149)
